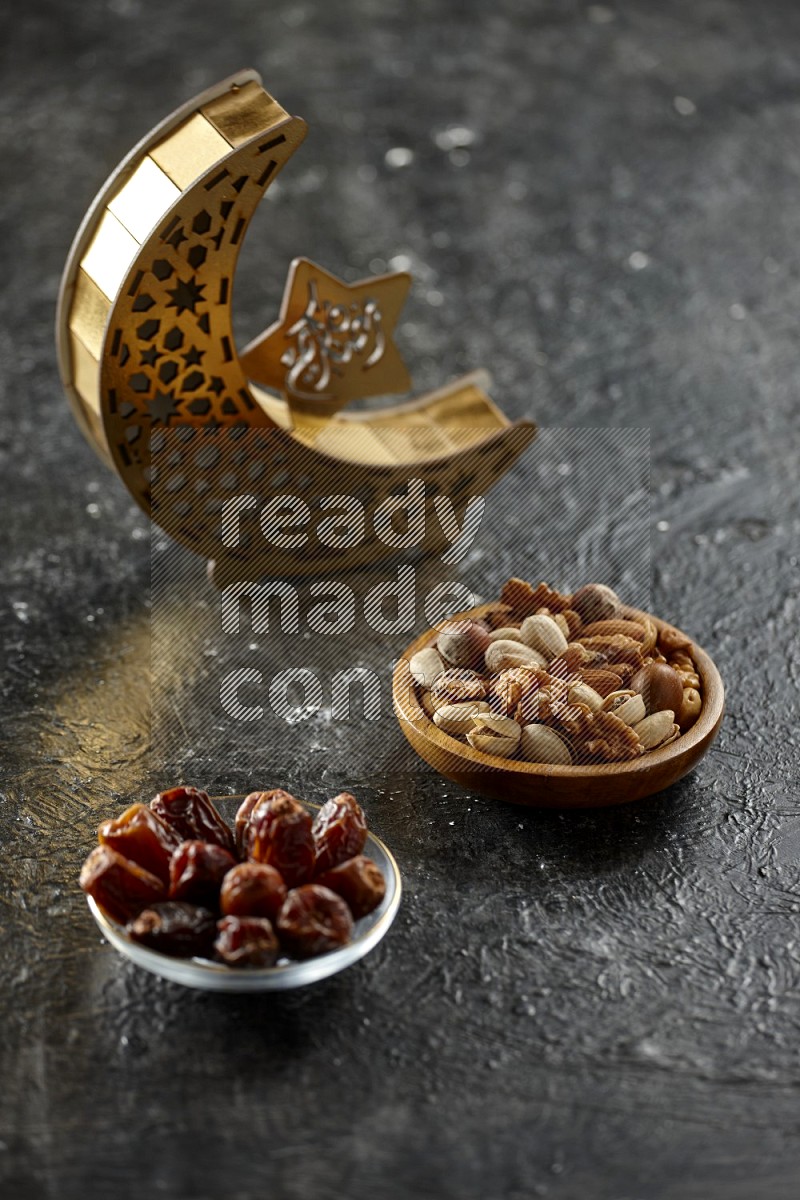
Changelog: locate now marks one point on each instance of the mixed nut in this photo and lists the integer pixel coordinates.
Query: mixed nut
(561, 679)
(281, 884)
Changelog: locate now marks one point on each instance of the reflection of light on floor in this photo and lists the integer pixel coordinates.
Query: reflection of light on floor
(99, 725)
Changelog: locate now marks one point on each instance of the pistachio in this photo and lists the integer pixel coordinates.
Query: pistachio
(462, 643)
(496, 735)
(627, 705)
(659, 686)
(559, 679)
(583, 696)
(506, 633)
(691, 704)
(494, 723)
(542, 634)
(595, 602)
(540, 744)
(456, 718)
(656, 729)
(505, 653)
(426, 666)
(455, 685)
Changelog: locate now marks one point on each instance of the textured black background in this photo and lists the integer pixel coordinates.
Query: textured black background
(568, 1005)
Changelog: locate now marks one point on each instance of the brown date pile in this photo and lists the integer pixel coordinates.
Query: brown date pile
(281, 884)
(565, 679)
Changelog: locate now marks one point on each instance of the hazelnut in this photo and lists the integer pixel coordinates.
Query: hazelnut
(462, 643)
(595, 602)
(659, 686)
(426, 666)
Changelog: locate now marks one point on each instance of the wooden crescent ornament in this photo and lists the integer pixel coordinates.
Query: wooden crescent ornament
(149, 362)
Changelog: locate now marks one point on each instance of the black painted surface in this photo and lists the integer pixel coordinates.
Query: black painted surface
(569, 1005)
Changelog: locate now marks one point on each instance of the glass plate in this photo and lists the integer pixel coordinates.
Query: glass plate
(215, 977)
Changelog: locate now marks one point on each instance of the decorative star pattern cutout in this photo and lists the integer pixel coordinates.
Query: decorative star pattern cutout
(162, 406)
(333, 341)
(186, 294)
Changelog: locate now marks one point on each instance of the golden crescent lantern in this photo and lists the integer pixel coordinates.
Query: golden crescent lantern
(149, 362)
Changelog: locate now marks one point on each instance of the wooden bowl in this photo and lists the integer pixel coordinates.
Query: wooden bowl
(541, 785)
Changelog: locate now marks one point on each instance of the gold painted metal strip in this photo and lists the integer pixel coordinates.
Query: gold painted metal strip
(89, 313)
(95, 423)
(277, 410)
(141, 202)
(345, 440)
(467, 417)
(110, 254)
(190, 151)
(244, 112)
(417, 437)
(85, 374)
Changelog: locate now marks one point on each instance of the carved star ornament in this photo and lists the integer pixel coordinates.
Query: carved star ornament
(333, 341)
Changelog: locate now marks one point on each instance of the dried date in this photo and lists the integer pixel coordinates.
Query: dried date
(182, 930)
(246, 942)
(359, 882)
(196, 872)
(243, 815)
(252, 890)
(340, 832)
(168, 872)
(279, 833)
(313, 919)
(191, 814)
(120, 887)
(140, 836)
(245, 812)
